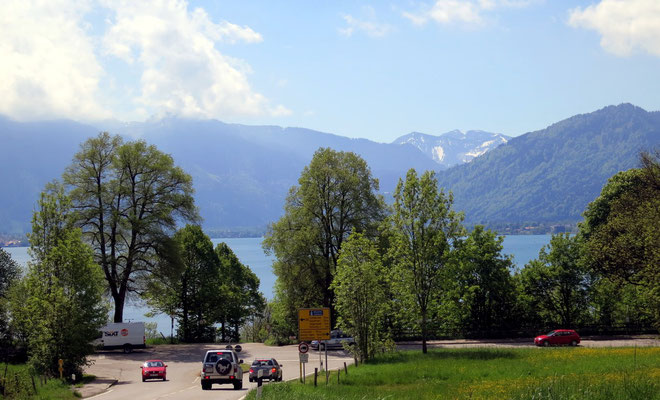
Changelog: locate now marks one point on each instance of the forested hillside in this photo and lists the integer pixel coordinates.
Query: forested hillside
(552, 174)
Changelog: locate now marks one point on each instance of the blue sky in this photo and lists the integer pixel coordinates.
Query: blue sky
(375, 70)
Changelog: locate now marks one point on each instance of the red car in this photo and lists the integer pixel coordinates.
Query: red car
(154, 369)
(558, 337)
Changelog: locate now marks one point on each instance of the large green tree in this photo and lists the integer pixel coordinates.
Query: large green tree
(361, 287)
(209, 286)
(243, 299)
(556, 285)
(9, 275)
(336, 195)
(482, 288)
(128, 198)
(61, 306)
(424, 232)
(620, 228)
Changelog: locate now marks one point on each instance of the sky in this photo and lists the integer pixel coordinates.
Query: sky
(368, 69)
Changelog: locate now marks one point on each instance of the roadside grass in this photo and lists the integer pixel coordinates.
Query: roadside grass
(16, 382)
(486, 373)
(161, 340)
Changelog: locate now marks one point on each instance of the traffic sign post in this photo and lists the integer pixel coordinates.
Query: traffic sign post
(61, 367)
(314, 324)
(303, 348)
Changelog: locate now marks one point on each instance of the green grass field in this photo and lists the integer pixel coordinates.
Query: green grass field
(530, 373)
(17, 383)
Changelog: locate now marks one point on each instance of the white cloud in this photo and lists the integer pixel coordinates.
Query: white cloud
(625, 26)
(48, 68)
(58, 61)
(369, 25)
(182, 70)
(464, 12)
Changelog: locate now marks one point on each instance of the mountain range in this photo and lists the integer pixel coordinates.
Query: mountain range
(242, 173)
(455, 147)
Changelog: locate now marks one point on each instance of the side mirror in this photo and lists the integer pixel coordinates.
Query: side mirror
(165, 365)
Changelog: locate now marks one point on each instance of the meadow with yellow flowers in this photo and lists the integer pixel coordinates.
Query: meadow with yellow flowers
(489, 373)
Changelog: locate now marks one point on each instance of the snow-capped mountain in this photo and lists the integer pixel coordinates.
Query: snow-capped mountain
(455, 147)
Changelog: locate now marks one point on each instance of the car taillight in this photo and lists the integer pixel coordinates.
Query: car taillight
(251, 370)
(274, 370)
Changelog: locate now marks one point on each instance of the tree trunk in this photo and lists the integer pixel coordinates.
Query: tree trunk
(424, 333)
(119, 307)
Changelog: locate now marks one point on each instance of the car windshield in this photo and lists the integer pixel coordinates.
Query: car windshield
(551, 333)
(150, 364)
(258, 363)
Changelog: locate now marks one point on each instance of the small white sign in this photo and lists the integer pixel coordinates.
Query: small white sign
(304, 357)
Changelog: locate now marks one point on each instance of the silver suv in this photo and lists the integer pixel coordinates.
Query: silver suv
(221, 366)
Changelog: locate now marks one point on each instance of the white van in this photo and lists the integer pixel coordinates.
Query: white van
(122, 335)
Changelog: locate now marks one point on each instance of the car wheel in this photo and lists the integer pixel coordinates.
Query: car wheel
(205, 386)
(574, 343)
(143, 379)
(546, 343)
(128, 348)
(164, 378)
(238, 385)
(322, 347)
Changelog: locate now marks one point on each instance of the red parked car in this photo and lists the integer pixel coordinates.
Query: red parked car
(154, 369)
(558, 337)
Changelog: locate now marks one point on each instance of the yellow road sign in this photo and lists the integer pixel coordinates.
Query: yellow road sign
(314, 324)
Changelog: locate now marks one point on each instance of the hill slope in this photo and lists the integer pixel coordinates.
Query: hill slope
(552, 174)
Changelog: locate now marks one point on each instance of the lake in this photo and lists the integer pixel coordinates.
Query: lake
(523, 248)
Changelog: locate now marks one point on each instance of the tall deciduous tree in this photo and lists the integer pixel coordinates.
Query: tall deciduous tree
(9, 275)
(62, 305)
(127, 198)
(425, 230)
(336, 195)
(211, 286)
(243, 297)
(483, 288)
(556, 284)
(360, 286)
(620, 230)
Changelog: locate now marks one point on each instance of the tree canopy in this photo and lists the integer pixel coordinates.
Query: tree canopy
(127, 199)
(361, 287)
(424, 231)
(336, 195)
(59, 305)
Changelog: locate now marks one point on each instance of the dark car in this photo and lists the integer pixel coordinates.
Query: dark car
(272, 370)
(154, 369)
(558, 337)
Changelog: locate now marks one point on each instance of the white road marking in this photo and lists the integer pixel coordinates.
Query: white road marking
(195, 380)
(102, 394)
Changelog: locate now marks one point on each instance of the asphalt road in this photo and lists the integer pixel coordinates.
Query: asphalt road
(183, 368)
